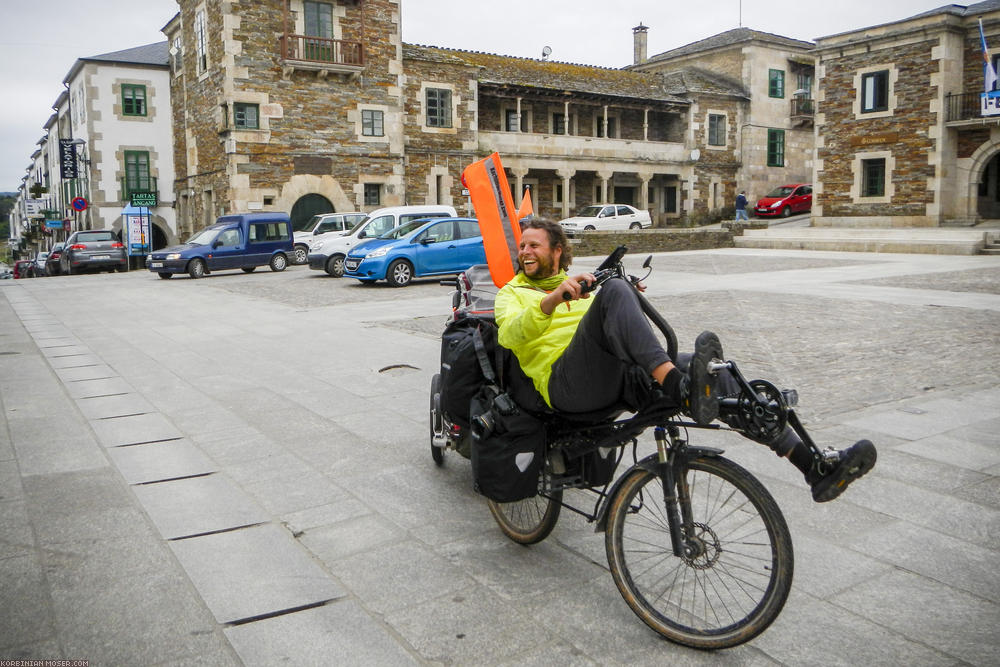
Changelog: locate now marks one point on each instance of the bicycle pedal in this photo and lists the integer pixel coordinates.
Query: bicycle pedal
(791, 397)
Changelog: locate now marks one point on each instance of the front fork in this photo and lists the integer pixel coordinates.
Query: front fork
(668, 448)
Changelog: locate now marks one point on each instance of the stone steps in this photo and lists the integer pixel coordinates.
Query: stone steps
(935, 241)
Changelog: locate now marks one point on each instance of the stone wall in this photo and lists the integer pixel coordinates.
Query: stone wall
(651, 240)
(902, 136)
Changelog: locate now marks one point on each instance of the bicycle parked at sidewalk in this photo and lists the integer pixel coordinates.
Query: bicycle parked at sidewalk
(697, 546)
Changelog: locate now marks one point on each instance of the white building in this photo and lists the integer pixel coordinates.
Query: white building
(116, 108)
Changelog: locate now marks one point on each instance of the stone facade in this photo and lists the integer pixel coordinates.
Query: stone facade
(906, 95)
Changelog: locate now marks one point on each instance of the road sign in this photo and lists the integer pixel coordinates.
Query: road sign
(146, 199)
(79, 204)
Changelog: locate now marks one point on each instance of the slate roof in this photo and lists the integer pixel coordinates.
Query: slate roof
(552, 76)
(953, 10)
(687, 80)
(729, 38)
(153, 55)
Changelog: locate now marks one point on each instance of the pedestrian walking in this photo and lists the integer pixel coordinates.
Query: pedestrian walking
(741, 206)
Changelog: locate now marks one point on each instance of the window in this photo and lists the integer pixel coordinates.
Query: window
(373, 194)
(875, 91)
(372, 123)
(133, 100)
(806, 82)
(229, 238)
(670, 194)
(873, 178)
(438, 107)
(319, 19)
(136, 172)
(716, 130)
(261, 232)
(775, 148)
(201, 45)
(246, 116)
(775, 83)
(177, 53)
(511, 121)
(612, 128)
(468, 229)
(558, 123)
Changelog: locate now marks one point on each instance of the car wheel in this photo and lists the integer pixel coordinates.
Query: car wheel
(786, 212)
(120, 269)
(335, 266)
(400, 273)
(196, 269)
(165, 276)
(248, 269)
(301, 254)
(635, 225)
(589, 228)
(278, 262)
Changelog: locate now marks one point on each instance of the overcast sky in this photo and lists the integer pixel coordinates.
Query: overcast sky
(41, 39)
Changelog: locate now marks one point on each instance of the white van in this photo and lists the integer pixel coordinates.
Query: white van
(327, 254)
(324, 225)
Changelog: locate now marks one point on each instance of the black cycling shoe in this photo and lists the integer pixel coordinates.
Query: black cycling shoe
(703, 393)
(850, 464)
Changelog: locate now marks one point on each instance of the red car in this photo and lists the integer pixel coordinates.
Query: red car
(785, 201)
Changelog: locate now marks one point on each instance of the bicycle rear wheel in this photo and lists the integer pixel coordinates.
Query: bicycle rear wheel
(735, 580)
(528, 521)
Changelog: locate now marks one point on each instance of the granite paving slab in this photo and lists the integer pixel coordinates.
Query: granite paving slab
(133, 429)
(103, 387)
(340, 631)
(159, 461)
(248, 573)
(198, 505)
(101, 407)
(90, 372)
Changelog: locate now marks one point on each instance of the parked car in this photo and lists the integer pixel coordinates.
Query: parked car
(328, 254)
(243, 241)
(92, 249)
(40, 260)
(785, 201)
(6, 273)
(419, 248)
(606, 217)
(52, 262)
(323, 226)
(24, 268)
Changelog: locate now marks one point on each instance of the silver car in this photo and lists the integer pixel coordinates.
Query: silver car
(93, 249)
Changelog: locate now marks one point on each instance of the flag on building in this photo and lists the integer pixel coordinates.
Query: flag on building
(989, 74)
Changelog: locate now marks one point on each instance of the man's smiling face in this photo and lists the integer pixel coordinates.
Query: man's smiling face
(537, 257)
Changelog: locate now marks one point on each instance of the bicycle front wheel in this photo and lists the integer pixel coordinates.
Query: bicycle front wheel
(737, 572)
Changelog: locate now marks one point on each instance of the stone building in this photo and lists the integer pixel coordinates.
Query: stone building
(901, 138)
(309, 106)
(758, 114)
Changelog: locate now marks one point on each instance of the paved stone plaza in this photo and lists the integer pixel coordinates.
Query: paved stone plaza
(217, 472)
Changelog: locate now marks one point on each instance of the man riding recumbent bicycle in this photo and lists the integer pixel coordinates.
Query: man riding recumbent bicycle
(536, 384)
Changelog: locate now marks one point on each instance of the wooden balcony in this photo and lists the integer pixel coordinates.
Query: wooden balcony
(803, 112)
(321, 55)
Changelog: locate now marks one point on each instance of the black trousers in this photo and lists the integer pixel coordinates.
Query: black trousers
(611, 356)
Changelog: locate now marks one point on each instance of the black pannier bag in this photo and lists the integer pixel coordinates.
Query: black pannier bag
(508, 447)
(463, 359)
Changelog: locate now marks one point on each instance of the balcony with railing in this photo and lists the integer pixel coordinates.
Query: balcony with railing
(803, 112)
(965, 107)
(321, 55)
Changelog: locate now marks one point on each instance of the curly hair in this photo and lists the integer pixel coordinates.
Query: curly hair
(557, 237)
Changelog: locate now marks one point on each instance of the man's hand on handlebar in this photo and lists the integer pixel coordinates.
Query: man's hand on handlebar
(571, 289)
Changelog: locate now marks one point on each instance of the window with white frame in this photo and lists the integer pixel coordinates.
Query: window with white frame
(875, 91)
(716, 129)
(246, 116)
(873, 177)
(373, 194)
(200, 41)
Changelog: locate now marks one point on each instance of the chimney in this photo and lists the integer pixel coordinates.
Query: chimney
(639, 43)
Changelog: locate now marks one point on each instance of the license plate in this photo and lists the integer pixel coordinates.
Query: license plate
(101, 257)
(157, 265)
(352, 264)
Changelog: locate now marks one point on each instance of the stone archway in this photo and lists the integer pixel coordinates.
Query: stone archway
(301, 185)
(980, 181)
(306, 206)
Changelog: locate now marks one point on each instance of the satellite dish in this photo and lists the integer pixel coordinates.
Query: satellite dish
(546, 52)
(695, 154)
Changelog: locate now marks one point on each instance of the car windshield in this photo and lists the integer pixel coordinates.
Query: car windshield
(590, 212)
(403, 230)
(309, 225)
(781, 192)
(204, 237)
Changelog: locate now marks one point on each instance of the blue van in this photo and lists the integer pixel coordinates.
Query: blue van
(243, 241)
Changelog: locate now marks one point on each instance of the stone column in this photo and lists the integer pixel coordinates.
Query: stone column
(605, 131)
(645, 124)
(565, 175)
(569, 130)
(519, 174)
(605, 176)
(519, 114)
(644, 190)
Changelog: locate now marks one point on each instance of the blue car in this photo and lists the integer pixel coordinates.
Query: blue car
(425, 247)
